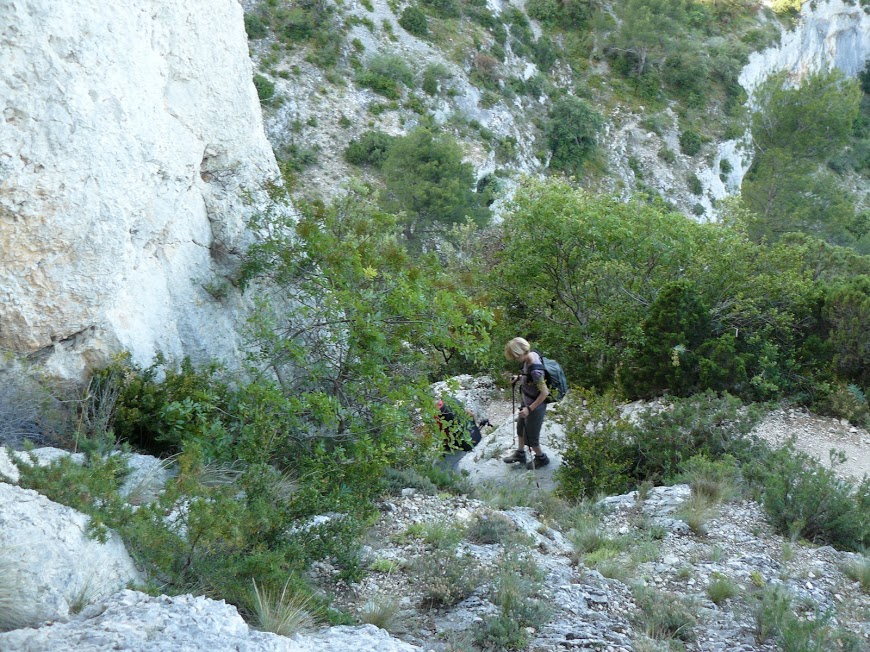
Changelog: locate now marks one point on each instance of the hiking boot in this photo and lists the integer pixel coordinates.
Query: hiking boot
(518, 456)
(538, 461)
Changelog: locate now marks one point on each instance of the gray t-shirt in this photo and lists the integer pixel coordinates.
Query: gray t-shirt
(533, 381)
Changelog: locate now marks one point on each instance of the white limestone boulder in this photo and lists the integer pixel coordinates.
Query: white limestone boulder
(130, 137)
(53, 567)
(130, 620)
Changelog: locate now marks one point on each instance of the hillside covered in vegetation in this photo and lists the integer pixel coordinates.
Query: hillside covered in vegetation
(589, 175)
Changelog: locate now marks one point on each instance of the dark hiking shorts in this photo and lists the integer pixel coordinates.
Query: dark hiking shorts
(529, 428)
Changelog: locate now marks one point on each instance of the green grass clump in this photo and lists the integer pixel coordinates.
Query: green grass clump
(489, 528)
(446, 578)
(285, 612)
(665, 616)
(721, 589)
(859, 571)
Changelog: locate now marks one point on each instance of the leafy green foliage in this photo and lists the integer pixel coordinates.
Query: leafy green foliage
(433, 74)
(414, 21)
(425, 177)
(678, 322)
(806, 498)
(265, 89)
(795, 130)
(690, 142)
(354, 299)
(371, 148)
(572, 133)
(655, 301)
(305, 22)
(386, 74)
(572, 15)
(608, 453)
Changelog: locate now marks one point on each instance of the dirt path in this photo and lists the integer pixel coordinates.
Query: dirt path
(815, 435)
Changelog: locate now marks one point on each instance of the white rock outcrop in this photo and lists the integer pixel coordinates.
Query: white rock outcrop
(130, 620)
(832, 33)
(130, 135)
(51, 565)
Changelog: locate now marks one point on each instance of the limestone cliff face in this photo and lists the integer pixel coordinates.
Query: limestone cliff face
(834, 33)
(131, 132)
(830, 34)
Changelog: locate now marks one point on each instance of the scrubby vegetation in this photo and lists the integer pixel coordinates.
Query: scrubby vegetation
(362, 301)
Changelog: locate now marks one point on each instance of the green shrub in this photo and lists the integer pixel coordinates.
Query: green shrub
(371, 148)
(770, 610)
(667, 155)
(425, 177)
(490, 527)
(690, 142)
(716, 480)
(676, 324)
(414, 21)
(573, 15)
(606, 453)
(433, 74)
(695, 186)
(443, 8)
(445, 577)
(721, 589)
(666, 616)
(859, 571)
(265, 89)
(572, 133)
(255, 27)
(842, 401)
(725, 166)
(805, 498)
(786, 6)
(385, 74)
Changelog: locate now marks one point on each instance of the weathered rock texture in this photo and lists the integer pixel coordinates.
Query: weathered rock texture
(832, 34)
(55, 568)
(129, 133)
(134, 621)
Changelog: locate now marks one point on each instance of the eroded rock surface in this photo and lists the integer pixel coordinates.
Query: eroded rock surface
(129, 136)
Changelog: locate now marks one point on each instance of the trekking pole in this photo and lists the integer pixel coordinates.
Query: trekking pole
(513, 410)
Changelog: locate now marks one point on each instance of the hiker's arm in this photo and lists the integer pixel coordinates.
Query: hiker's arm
(544, 393)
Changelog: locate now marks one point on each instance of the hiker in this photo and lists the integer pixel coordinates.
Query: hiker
(458, 425)
(534, 403)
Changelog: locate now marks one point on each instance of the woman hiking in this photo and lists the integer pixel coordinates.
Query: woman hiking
(534, 403)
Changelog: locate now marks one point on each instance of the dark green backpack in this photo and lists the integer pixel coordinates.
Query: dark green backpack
(557, 383)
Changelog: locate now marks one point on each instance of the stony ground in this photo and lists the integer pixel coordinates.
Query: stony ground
(593, 600)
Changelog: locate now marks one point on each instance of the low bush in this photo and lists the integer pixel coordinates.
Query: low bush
(721, 589)
(414, 21)
(490, 527)
(807, 499)
(386, 74)
(859, 571)
(265, 89)
(572, 133)
(514, 590)
(690, 142)
(446, 578)
(608, 453)
(665, 616)
(371, 148)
